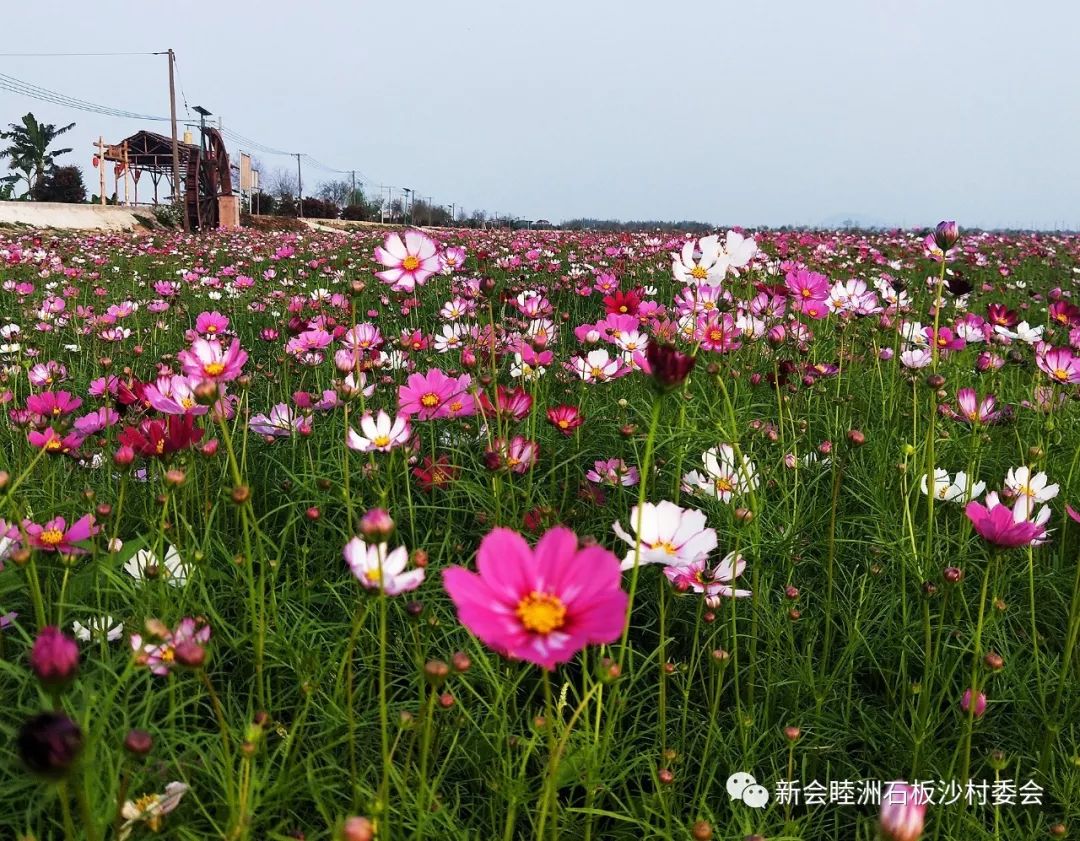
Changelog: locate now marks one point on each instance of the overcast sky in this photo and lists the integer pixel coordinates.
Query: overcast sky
(789, 111)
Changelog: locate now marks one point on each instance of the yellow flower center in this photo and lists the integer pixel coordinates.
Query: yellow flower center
(146, 803)
(1061, 374)
(564, 424)
(213, 369)
(381, 440)
(716, 335)
(623, 308)
(187, 402)
(374, 575)
(167, 654)
(456, 406)
(541, 613)
(51, 537)
(597, 372)
(668, 547)
(429, 400)
(159, 447)
(53, 444)
(211, 329)
(410, 263)
(806, 293)
(56, 411)
(723, 485)
(699, 273)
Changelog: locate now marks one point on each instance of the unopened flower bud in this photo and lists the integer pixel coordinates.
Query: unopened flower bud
(138, 742)
(376, 525)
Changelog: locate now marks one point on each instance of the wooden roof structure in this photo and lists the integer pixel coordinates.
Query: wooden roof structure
(147, 151)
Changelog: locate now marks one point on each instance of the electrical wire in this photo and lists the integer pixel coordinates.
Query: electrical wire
(10, 83)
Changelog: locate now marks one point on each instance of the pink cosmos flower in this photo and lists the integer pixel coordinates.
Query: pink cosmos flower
(453, 258)
(613, 471)
(53, 442)
(972, 410)
(174, 395)
(208, 361)
(903, 812)
(57, 536)
(94, 422)
(435, 395)
(997, 524)
(211, 324)
(282, 422)
(52, 404)
(408, 264)
(715, 583)
(541, 605)
(944, 339)
(518, 455)
(806, 287)
(160, 656)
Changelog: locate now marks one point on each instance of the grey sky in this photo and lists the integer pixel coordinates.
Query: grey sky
(748, 113)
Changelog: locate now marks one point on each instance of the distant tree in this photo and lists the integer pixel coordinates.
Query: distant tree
(336, 192)
(62, 184)
(320, 209)
(29, 150)
(263, 203)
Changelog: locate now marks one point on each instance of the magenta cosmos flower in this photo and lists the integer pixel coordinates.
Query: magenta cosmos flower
(542, 605)
(56, 536)
(435, 395)
(408, 264)
(997, 524)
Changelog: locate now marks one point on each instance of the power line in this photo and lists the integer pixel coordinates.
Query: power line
(65, 55)
(10, 83)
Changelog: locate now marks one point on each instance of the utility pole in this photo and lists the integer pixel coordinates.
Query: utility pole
(352, 195)
(299, 189)
(175, 142)
(101, 166)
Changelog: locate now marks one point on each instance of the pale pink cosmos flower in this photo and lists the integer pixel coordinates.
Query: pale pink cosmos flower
(1059, 364)
(282, 421)
(715, 583)
(903, 811)
(409, 263)
(541, 605)
(160, 656)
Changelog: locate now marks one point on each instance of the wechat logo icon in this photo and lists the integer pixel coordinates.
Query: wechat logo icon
(743, 786)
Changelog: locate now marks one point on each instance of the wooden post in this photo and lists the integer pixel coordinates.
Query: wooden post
(124, 155)
(101, 167)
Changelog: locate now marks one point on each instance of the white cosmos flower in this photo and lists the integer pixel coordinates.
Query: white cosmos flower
(739, 250)
(725, 475)
(380, 433)
(709, 267)
(144, 564)
(948, 489)
(150, 809)
(669, 535)
(98, 627)
(1023, 332)
(375, 569)
(1029, 489)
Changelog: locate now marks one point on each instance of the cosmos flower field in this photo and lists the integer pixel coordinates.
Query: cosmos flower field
(538, 534)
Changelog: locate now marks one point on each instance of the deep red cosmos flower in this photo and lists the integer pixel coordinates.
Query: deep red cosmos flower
(159, 438)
